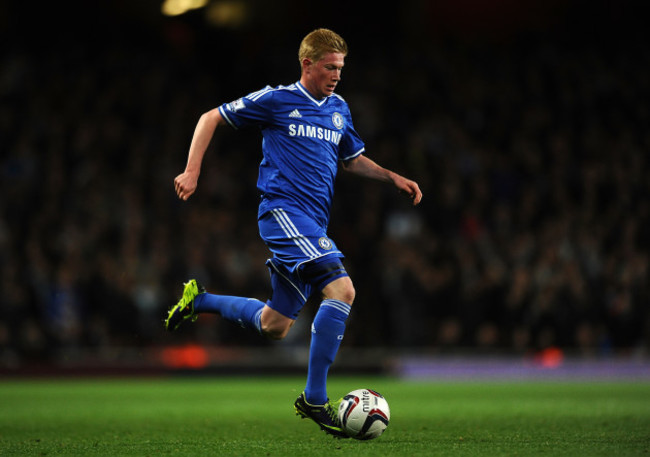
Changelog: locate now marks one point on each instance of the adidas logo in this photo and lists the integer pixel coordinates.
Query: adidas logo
(295, 113)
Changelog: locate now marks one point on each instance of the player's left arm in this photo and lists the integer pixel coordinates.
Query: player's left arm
(367, 168)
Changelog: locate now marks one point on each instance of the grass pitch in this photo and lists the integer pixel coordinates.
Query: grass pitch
(254, 417)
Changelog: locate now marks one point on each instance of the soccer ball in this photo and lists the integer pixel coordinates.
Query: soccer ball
(364, 414)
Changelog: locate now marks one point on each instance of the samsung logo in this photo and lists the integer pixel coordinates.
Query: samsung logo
(314, 132)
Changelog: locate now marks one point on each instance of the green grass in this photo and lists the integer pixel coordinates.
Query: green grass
(254, 417)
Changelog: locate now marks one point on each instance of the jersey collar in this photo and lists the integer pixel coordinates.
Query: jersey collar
(309, 96)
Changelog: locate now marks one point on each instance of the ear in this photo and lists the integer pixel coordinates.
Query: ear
(306, 63)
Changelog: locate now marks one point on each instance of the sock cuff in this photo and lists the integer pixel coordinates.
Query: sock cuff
(257, 320)
(338, 305)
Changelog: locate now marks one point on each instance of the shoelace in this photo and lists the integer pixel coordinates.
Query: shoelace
(333, 413)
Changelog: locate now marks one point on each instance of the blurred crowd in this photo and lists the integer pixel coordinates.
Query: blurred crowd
(532, 155)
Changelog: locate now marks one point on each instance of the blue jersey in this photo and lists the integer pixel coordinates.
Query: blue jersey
(303, 141)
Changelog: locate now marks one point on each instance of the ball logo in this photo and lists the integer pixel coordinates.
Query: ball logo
(325, 243)
(337, 120)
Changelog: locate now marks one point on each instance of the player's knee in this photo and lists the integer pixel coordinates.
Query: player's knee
(274, 325)
(348, 294)
(274, 332)
(341, 289)
(276, 329)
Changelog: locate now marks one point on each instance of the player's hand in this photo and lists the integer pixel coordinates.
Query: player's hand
(185, 185)
(410, 188)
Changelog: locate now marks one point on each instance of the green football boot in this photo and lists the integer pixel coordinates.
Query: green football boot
(326, 416)
(184, 309)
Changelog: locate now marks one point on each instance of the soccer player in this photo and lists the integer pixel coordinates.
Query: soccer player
(307, 132)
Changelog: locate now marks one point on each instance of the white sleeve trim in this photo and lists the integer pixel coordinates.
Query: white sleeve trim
(225, 116)
(358, 153)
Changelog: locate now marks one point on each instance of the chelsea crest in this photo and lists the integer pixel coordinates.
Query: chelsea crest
(337, 120)
(325, 243)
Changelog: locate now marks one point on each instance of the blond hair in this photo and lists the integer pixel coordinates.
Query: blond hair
(320, 42)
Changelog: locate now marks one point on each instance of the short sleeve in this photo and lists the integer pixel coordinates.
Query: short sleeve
(253, 109)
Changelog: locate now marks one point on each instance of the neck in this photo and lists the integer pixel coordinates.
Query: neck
(307, 86)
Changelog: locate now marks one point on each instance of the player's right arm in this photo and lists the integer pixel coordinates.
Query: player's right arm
(185, 183)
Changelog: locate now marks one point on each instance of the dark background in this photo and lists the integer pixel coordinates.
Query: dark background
(525, 123)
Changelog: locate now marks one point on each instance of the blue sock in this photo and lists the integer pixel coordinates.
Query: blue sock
(247, 312)
(326, 335)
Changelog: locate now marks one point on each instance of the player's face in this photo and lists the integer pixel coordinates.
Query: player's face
(320, 78)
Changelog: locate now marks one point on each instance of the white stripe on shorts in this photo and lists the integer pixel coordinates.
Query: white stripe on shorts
(292, 232)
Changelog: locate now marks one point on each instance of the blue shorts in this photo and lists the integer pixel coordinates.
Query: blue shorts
(304, 259)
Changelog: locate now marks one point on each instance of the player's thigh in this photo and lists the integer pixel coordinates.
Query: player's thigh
(340, 289)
